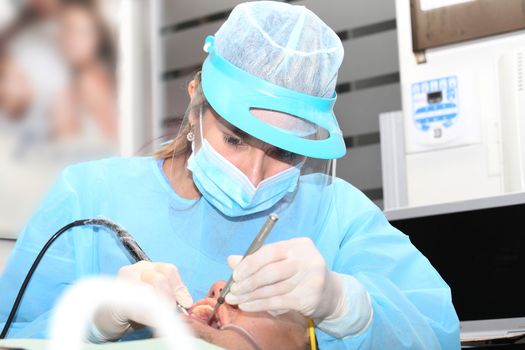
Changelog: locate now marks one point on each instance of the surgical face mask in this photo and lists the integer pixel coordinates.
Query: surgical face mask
(229, 190)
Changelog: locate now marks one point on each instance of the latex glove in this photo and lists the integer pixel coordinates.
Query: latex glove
(292, 275)
(355, 315)
(283, 276)
(111, 323)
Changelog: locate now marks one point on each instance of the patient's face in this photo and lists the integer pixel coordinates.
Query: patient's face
(288, 331)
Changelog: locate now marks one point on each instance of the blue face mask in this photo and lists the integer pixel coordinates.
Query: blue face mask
(230, 191)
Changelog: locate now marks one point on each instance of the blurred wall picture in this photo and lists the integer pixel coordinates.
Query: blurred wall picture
(58, 95)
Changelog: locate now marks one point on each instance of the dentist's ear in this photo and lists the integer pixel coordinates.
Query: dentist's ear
(191, 93)
(191, 88)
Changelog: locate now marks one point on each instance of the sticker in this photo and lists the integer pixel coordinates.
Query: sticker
(435, 105)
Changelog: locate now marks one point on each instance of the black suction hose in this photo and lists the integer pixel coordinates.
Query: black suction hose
(127, 240)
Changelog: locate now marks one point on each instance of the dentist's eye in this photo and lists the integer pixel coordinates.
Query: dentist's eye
(232, 140)
(286, 156)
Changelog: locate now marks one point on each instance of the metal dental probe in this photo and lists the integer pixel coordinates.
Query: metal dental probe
(256, 244)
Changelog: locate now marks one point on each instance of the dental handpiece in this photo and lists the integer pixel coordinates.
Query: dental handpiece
(256, 244)
(130, 244)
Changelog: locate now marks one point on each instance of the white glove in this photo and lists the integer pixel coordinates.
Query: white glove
(292, 275)
(112, 324)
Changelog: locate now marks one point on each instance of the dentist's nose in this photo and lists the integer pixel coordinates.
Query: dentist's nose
(254, 166)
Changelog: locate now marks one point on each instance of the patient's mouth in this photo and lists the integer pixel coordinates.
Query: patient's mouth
(202, 310)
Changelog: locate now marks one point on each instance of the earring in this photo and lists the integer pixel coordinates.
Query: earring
(190, 136)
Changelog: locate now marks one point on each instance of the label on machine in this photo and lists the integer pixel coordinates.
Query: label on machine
(435, 105)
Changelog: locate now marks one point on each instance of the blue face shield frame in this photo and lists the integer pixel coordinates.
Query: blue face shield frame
(234, 93)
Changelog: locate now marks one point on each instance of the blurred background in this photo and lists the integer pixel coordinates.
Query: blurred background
(58, 95)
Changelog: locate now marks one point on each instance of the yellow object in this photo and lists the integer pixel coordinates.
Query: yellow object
(311, 333)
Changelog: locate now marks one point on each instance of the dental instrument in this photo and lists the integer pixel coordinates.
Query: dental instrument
(254, 246)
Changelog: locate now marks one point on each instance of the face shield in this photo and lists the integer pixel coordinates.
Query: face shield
(252, 155)
(307, 125)
(301, 124)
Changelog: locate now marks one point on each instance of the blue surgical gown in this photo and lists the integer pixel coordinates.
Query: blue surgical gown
(412, 306)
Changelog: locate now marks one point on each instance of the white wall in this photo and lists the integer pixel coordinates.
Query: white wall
(6, 246)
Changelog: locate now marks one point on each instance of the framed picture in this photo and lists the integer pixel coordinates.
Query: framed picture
(59, 92)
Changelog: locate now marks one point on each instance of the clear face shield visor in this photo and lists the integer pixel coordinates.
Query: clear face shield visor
(242, 175)
(255, 160)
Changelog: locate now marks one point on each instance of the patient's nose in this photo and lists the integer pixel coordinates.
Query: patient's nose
(216, 289)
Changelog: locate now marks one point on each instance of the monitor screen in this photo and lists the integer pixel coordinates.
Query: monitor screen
(480, 254)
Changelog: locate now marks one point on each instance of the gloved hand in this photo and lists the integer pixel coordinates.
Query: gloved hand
(111, 323)
(283, 276)
(292, 275)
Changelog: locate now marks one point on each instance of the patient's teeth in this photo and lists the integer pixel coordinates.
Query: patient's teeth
(202, 309)
(202, 312)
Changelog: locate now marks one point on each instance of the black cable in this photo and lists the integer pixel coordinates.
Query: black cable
(127, 240)
(32, 270)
